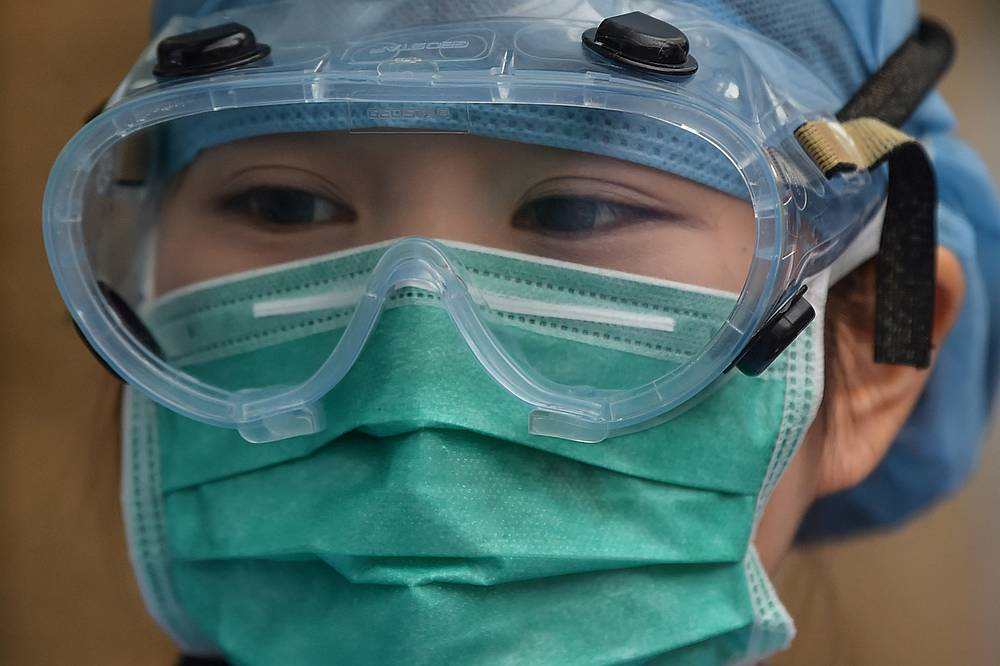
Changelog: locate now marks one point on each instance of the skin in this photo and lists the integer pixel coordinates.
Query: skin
(488, 182)
(860, 416)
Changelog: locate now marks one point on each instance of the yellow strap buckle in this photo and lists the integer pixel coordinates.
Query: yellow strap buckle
(854, 145)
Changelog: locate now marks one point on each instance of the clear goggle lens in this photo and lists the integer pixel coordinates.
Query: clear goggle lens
(585, 272)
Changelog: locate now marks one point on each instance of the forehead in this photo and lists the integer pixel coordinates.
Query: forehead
(427, 154)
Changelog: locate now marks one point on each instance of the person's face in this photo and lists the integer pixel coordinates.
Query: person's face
(264, 201)
(268, 200)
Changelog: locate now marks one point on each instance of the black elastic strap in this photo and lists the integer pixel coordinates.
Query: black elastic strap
(895, 91)
(906, 262)
(906, 267)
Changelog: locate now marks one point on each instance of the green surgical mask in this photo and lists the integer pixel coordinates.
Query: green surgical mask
(425, 525)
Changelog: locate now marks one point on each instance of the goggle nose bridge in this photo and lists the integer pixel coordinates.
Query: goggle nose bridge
(415, 262)
(425, 264)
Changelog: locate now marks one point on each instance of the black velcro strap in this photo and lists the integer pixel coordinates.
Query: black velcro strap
(906, 264)
(907, 261)
(895, 91)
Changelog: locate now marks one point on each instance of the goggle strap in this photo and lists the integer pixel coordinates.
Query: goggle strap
(866, 137)
(906, 263)
(906, 267)
(897, 88)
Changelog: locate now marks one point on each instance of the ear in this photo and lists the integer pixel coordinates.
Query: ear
(867, 403)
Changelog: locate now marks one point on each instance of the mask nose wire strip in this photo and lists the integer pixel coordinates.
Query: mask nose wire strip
(508, 304)
(863, 139)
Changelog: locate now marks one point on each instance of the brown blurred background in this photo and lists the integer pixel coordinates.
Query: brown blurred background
(927, 595)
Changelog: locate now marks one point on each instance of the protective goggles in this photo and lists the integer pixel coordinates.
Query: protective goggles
(636, 183)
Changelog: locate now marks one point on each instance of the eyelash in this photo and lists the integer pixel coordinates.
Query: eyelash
(584, 215)
(556, 215)
(288, 201)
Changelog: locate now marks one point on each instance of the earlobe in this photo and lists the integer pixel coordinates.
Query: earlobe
(866, 402)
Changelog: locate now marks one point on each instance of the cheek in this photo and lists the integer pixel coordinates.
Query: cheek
(167, 273)
(185, 251)
(789, 502)
(192, 246)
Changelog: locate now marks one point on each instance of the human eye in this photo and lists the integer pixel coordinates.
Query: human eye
(282, 207)
(568, 215)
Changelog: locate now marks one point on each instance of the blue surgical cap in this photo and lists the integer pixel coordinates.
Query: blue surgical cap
(844, 41)
(612, 134)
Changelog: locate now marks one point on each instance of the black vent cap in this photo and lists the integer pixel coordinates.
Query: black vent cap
(639, 40)
(210, 50)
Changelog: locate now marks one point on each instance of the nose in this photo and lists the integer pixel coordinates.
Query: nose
(440, 187)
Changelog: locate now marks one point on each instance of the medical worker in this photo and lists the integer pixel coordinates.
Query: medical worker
(522, 332)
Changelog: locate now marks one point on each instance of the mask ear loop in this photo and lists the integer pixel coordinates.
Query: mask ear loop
(863, 138)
